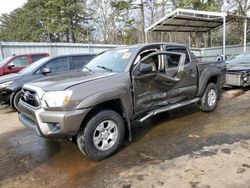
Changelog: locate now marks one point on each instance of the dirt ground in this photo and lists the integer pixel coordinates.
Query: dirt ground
(181, 148)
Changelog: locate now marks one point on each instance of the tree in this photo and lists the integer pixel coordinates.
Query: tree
(52, 20)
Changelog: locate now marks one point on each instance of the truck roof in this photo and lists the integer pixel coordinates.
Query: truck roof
(150, 44)
(78, 54)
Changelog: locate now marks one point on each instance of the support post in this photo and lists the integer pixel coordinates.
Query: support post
(146, 36)
(245, 35)
(224, 37)
(161, 36)
(1, 52)
(189, 40)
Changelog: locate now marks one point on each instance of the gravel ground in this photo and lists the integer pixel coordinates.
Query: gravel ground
(181, 148)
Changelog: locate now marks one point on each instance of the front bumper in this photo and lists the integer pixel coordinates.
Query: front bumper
(238, 79)
(52, 124)
(5, 96)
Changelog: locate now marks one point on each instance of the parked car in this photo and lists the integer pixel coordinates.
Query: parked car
(118, 87)
(238, 70)
(15, 63)
(10, 85)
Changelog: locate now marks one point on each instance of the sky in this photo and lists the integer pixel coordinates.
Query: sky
(9, 5)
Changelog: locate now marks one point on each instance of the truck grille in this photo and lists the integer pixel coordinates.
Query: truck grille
(233, 79)
(30, 97)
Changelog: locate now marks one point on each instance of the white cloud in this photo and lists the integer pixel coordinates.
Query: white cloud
(9, 5)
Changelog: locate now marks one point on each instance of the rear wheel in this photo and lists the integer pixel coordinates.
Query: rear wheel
(210, 98)
(102, 136)
(15, 100)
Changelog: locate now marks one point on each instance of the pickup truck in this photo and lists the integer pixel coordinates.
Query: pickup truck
(132, 83)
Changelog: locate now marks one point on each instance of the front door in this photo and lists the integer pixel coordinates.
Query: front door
(151, 83)
(17, 64)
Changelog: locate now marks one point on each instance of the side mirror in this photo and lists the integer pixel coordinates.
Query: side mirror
(46, 70)
(10, 66)
(146, 68)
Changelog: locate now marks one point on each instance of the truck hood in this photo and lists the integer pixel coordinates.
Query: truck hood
(62, 82)
(10, 77)
(238, 68)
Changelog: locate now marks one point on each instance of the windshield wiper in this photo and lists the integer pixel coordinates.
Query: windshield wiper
(105, 68)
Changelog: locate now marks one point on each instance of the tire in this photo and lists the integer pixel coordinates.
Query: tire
(102, 136)
(15, 100)
(210, 98)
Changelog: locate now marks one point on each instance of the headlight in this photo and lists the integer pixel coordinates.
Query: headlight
(5, 84)
(57, 98)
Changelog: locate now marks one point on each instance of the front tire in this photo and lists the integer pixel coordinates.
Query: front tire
(102, 136)
(210, 98)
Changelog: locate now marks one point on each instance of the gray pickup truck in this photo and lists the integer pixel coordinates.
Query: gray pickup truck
(131, 83)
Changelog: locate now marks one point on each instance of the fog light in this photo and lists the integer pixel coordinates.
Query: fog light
(245, 79)
(54, 127)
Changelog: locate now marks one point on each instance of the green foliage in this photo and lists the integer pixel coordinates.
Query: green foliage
(208, 5)
(52, 20)
(107, 21)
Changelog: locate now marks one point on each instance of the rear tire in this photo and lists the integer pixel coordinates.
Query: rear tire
(210, 98)
(102, 136)
(15, 101)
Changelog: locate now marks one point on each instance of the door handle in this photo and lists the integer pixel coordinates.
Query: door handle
(191, 72)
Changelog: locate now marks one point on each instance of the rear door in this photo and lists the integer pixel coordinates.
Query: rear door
(187, 86)
(17, 64)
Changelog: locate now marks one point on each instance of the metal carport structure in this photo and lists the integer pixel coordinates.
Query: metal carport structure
(186, 20)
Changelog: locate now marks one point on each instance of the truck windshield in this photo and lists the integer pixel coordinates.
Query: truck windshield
(111, 61)
(4, 61)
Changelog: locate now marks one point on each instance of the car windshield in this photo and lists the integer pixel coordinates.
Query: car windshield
(4, 61)
(111, 61)
(239, 59)
(34, 66)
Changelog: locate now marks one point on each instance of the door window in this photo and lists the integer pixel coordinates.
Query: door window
(58, 65)
(179, 49)
(172, 61)
(154, 61)
(37, 57)
(79, 61)
(20, 61)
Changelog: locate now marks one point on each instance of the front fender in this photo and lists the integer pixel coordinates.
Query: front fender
(121, 94)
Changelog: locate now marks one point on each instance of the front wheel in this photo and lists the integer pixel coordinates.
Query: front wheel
(210, 98)
(15, 100)
(102, 136)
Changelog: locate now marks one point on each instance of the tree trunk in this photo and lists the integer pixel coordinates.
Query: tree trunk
(143, 21)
